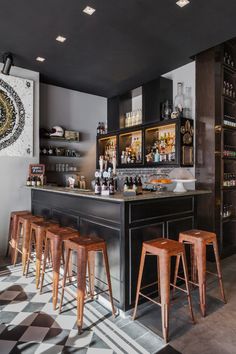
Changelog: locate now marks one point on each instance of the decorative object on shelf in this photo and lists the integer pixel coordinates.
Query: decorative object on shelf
(228, 60)
(181, 176)
(71, 135)
(133, 118)
(166, 110)
(57, 131)
(228, 89)
(16, 116)
(36, 175)
(101, 128)
(229, 180)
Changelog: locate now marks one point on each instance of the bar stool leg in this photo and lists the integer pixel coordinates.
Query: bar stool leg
(201, 268)
(56, 249)
(25, 248)
(10, 233)
(176, 273)
(165, 294)
(46, 255)
(81, 285)
(216, 251)
(29, 250)
(67, 260)
(91, 272)
(158, 280)
(40, 237)
(186, 276)
(106, 263)
(15, 255)
(140, 275)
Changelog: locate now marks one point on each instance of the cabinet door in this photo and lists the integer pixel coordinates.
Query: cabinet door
(137, 236)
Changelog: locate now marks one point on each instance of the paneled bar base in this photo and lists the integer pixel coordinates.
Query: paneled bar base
(124, 223)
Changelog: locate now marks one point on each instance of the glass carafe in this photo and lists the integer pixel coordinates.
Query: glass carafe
(179, 99)
(188, 103)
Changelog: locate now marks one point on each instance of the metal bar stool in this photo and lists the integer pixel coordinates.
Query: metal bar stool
(164, 249)
(54, 244)
(86, 248)
(37, 241)
(200, 240)
(22, 235)
(14, 217)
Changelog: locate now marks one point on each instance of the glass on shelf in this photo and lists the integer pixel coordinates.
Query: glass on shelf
(133, 118)
(131, 148)
(160, 144)
(107, 147)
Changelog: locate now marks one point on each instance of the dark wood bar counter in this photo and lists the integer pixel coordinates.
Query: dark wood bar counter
(124, 223)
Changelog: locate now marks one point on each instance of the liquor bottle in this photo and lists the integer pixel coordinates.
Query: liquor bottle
(111, 187)
(33, 182)
(140, 186)
(99, 128)
(104, 185)
(131, 182)
(38, 181)
(126, 184)
(97, 187)
(188, 103)
(28, 182)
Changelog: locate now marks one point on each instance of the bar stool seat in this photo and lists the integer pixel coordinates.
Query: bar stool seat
(86, 247)
(23, 227)
(199, 240)
(14, 217)
(54, 244)
(38, 231)
(164, 249)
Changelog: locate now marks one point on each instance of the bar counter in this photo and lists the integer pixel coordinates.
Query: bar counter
(124, 223)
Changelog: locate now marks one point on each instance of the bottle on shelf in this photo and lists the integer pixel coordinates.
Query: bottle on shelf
(29, 182)
(126, 184)
(111, 187)
(99, 128)
(33, 181)
(97, 187)
(179, 100)
(187, 112)
(38, 181)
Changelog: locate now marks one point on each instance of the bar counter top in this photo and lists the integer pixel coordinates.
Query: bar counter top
(119, 197)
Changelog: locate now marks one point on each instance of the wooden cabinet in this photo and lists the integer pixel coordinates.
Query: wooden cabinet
(216, 142)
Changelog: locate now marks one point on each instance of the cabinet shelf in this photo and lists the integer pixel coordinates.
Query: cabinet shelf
(229, 158)
(69, 157)
(60, 139)
(228, 188)
(229, 99)
(229, 219)
(229, 68)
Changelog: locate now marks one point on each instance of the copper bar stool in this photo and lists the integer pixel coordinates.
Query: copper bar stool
(54, 244)
(200, 240)
(14, 217)
(164, 249)
(86, 248)
(37, 240)
(23, 231)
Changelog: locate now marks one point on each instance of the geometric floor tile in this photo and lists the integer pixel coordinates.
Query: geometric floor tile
(29, 324)
(34, 334)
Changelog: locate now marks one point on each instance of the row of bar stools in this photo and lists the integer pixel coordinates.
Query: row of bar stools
(23, 233)
(14, 217)
(86, 247)
(37, 240)
(199, 240)
(54, 244)
(164, 249)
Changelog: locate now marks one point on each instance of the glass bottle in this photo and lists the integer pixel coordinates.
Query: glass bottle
(179, 99)
(188, 103)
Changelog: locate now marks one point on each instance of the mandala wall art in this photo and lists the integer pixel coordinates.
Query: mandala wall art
(16, 116)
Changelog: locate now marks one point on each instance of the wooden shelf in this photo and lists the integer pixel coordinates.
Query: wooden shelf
(63, 171)
(229, 68)
(61, 139)
(69, 157)
(229, 158)
(229, 219)
(228, 188)
(229, 99)
(228, 127)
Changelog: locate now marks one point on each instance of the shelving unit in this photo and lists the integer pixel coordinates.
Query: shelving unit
(215, 139)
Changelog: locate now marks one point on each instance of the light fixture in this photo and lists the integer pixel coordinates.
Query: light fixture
(7, 63)
(89, 10)
(182, 3)
(61, 39)
(41, 59)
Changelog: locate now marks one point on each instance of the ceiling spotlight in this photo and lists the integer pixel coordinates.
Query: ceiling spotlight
(7, 63)
(89, 10)
(61, 39)
(40, 59)
(182, 3)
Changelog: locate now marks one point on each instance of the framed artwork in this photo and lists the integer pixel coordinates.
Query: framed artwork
(16, 116)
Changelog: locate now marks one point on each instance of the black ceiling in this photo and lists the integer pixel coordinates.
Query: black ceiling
(124, 44)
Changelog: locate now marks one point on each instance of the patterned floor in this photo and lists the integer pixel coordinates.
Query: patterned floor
(28, 323)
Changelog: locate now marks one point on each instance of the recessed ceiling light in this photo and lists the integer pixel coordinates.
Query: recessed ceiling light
(182, 3)
(40, 59)
(61, 39)
(89, 10)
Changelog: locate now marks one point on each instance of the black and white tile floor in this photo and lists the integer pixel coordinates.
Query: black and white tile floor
(28, 323)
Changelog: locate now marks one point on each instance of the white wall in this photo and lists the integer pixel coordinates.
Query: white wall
(14, 170)
(76, 111)
(187, 75)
